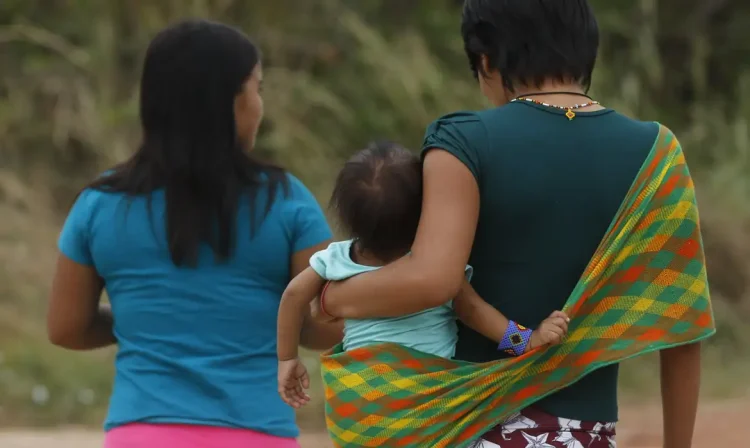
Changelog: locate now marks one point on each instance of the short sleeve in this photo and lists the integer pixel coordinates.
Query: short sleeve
(75, 237)
(309, 226)
(462, 134)
(469, 272)
(319, 262)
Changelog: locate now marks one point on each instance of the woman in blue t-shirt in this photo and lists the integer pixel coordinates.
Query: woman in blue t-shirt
(194, 241)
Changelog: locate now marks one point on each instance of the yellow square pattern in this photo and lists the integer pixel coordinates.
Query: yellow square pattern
(578, 334)
(642, 305)
(681, 210)
(352, 380)
(348, 436)
(400, 423)
(698, 287)
(404, 383)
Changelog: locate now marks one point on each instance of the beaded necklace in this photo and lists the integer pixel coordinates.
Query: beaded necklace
(568, 109)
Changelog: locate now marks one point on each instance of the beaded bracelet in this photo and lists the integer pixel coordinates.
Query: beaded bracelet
(516, 339)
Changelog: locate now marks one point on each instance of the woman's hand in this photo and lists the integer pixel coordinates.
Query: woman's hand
(434, 271)
(293, 381)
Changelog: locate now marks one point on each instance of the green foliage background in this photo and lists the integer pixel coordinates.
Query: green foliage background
(339, 73)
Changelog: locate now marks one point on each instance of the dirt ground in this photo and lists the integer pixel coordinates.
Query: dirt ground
(719, 425)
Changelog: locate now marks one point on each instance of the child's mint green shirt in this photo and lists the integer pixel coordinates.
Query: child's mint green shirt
(431, 331)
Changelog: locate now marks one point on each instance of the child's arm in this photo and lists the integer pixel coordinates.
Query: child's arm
(486, 320)
(293, 377)
(294, 304)
(478, 314)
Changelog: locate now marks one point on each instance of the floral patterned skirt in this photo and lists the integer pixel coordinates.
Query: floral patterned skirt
(533, 428)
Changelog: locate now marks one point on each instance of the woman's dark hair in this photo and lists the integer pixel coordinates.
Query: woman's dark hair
(530, 41)
(378, 199)
(192, 73)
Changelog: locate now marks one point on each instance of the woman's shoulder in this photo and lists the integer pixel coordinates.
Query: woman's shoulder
(463, 134)
(97, 190)
(467, 124)
(639, 133)
(295, 183)
(91, 197)
(296, 191)
(470, 126)
(288, 189)
(301, 215)
(456, 118)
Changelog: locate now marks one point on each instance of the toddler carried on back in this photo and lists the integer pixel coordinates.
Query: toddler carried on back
(378, 201)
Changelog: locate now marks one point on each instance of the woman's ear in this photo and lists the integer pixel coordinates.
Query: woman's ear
(491, 74)
(491, 83)
(485, 61)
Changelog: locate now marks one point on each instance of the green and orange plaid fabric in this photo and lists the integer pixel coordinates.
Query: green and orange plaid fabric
(645, 289)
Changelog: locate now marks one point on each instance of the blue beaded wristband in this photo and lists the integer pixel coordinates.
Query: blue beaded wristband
(516, 339)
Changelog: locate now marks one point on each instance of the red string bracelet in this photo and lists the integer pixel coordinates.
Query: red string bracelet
(322, 300)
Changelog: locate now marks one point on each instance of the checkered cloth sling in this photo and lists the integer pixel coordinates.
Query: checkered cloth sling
(645, 289)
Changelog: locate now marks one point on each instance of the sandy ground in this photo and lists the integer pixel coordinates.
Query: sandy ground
(719, 425)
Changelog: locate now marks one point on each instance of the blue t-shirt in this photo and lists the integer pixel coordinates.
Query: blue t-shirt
(195, 345)
(431, 331)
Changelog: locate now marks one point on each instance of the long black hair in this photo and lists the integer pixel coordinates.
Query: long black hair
(192, 73)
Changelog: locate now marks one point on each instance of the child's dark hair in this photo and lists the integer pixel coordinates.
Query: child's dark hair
(378, 199)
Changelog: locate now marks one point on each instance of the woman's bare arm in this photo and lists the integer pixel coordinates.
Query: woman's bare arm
(316, 335)
(76, 319)
(434, 272)
(680, 386)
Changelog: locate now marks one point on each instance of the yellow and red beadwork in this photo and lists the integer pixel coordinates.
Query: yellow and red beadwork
(515, 340)
(568, 109)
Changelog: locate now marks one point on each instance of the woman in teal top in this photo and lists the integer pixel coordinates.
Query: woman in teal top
(194, 241)
(524, 192)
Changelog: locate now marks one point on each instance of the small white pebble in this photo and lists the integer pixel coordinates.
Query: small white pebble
(86, 397)
(40, 394)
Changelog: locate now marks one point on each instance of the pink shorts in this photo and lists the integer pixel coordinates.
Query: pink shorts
(140, 435)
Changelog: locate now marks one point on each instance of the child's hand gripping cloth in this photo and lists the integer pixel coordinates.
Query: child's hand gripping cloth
(645, 289)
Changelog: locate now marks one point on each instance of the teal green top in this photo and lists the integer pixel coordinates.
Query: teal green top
(549, 188)
(431, 331)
